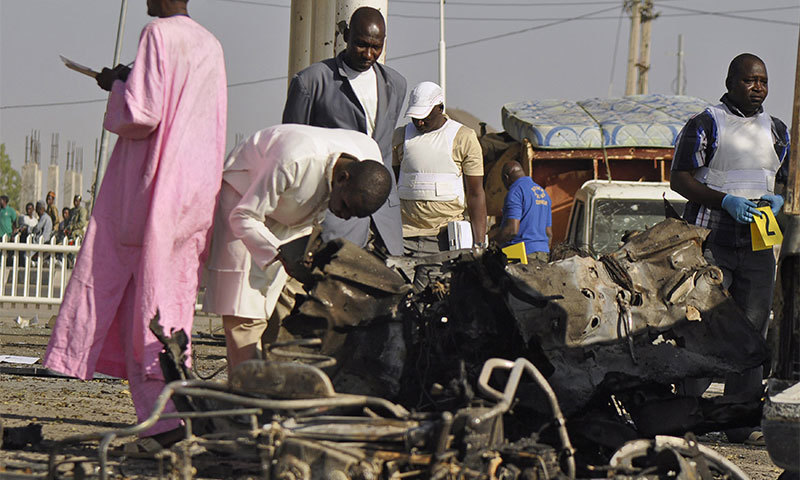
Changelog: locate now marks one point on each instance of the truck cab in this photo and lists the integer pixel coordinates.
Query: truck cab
(603, 211)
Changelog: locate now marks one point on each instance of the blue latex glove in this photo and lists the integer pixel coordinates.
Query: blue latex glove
(775, 202)
(740, 208)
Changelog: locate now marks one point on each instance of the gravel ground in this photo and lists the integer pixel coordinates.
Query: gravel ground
(65, 407)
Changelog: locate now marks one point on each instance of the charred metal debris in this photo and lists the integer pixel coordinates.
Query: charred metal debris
(370, 379)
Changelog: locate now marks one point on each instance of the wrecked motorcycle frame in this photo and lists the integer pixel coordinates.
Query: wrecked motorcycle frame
(611, 336)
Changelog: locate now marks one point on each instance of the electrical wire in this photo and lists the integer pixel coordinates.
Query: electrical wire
(251, 2)
(729, 15)
(616, 48)
(519, 4)
(52, 104)
(507, 34)
(613, 17)
(555, 21)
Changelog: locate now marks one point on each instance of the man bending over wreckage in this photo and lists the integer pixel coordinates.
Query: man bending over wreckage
(153, 214)
(275, 186)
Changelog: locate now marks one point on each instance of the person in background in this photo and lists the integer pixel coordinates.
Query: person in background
(63, 225)
(79, 219)
(439, 163)
(527, 214)
(26, 222)
(8, 217)
(148, 234)
(51, 209)
(44, 226)
(727, 158)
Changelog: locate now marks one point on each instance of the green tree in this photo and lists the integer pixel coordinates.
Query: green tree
(10, 179)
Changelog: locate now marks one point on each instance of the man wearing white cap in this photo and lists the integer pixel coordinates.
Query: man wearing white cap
(440, 167)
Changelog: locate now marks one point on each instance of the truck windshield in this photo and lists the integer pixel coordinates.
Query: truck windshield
(614, 217)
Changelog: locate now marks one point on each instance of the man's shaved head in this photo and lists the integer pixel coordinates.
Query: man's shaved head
(365, 37)
(371, 183)
(738, 64)
(358, 188)
(747, 83)
(365, 18)
(512, 171)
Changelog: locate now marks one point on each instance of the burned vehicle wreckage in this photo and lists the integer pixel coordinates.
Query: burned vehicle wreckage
(370, 379)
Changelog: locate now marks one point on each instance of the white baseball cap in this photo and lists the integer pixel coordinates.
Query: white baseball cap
(423, 98)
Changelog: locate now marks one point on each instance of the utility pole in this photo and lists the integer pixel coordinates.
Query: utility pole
(299, 36)
(101, 156)
(647, 17)
(635, 8)
(681, 73)
(323, 29)
(788, 317)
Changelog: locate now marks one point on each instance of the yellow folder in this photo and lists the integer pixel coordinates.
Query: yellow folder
(516, 252)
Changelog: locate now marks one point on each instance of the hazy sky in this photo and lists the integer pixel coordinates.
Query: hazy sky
(498, 52)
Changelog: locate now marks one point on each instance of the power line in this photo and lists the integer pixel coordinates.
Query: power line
(616, 47)
(614, 17)
(520, 4)
(507, 34)
(509, 4)
(729, 15)
(553, 22)
(52, 104)
(253, 82)
(251, 2)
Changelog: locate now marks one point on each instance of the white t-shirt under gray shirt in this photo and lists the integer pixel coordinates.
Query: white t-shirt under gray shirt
(365, 86)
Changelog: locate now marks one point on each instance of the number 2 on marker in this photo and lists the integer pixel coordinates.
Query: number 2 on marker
(764, 231)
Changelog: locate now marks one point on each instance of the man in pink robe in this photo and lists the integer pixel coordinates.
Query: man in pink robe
(152, 218)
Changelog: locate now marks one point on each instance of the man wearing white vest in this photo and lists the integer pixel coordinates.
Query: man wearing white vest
(727, 159)
(440, 167)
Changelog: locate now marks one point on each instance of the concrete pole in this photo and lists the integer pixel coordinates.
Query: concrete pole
(345, 9)
(788, 285)
(792, 206)
(299, 36)
(323, 27)
(633, 47)
(644, 47)
(101, 157)
(442, 54)
(681, 73)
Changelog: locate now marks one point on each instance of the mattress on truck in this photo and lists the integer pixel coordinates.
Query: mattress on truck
(632, 121)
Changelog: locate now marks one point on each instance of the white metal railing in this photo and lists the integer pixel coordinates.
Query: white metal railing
(35, 272)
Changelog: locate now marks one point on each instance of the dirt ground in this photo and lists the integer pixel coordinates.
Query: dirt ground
(65, 407)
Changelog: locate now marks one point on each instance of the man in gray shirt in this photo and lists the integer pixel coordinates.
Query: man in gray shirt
(44, 227)
(355, 92)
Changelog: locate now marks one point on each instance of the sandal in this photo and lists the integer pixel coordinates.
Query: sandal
(145, 447)
(756, 438)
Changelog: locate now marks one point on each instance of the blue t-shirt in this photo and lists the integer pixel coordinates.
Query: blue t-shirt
(530, 204)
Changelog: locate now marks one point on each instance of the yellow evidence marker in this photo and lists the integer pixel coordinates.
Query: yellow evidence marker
(764, 230)
(516, 252)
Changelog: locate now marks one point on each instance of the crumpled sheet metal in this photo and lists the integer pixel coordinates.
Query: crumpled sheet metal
(348, 285)
(682, 322)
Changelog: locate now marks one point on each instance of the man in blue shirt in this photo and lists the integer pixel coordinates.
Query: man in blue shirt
(527, 214)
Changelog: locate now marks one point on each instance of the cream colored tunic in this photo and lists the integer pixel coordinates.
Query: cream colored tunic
(276, 185)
